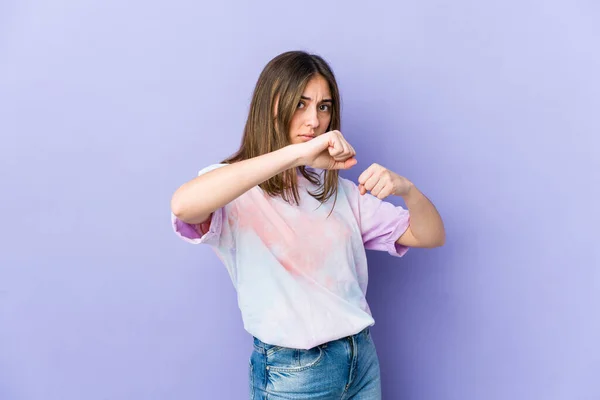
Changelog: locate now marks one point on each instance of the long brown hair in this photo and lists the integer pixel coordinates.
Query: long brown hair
(280, 84)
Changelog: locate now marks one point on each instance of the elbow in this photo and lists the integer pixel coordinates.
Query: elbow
(432, 243)
(186, 212)
(177, 207)
(440, 241)
(180, 208)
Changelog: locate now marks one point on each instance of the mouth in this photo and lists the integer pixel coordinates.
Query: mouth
(306, 137)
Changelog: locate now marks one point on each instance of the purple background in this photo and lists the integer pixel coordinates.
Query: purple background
(106, 107)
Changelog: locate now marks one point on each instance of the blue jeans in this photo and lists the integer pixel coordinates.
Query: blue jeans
(343, 369)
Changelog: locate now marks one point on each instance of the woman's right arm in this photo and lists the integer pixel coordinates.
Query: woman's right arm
(198, 198)
(195, 200)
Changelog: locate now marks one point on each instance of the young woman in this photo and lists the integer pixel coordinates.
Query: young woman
(292, 235)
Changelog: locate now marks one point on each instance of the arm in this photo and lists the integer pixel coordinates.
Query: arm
(426, 227)
(196, 199)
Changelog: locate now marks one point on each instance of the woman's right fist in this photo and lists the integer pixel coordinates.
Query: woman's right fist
(327, 151)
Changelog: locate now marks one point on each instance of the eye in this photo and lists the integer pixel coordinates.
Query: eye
(300, 105)
(324, 107)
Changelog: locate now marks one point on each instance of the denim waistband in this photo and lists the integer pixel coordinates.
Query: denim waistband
(262, 347)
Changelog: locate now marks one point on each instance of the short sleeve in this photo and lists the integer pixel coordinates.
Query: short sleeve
(209, 232)
(381, 223)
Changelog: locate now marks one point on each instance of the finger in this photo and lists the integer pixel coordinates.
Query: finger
(362, 189)
(349, 146)
(385, 192)
(371, 182)
(367, 173)
(378, 188)
(352, 151)
(346, 152)
(335, 147)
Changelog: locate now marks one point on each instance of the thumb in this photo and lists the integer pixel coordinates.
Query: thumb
(347, 164)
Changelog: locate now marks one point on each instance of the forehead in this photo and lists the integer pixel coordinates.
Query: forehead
(317, 85)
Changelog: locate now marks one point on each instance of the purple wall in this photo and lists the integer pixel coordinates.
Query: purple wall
(106, 107)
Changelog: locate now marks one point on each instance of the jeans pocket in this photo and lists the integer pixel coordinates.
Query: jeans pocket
(293, 360)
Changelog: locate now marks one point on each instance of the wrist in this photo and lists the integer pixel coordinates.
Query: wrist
(293, 155)
(410, 193)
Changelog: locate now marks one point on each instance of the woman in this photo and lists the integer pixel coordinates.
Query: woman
(292, 235)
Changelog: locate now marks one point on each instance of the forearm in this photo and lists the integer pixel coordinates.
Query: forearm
(425, 222)
(195, 200)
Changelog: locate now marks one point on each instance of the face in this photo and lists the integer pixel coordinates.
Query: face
(313, 112)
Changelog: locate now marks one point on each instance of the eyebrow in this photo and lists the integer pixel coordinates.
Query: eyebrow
(322, 101)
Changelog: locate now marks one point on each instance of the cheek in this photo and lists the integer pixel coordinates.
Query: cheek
(324, 122)
(294, 124)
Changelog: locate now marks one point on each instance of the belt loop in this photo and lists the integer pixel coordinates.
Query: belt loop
(259, 345)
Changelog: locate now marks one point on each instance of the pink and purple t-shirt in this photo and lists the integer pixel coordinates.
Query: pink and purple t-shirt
(300, 275)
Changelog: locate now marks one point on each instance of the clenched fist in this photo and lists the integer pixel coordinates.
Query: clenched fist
(382, 182)
(328, 151)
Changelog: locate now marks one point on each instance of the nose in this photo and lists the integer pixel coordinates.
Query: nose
(312, 118)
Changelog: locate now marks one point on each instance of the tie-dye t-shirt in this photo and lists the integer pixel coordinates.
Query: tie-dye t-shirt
(300, 275)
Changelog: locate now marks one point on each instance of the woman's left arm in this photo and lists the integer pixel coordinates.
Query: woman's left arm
(426, 227)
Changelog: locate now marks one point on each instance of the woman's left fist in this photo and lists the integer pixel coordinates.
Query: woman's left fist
(382, 182)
